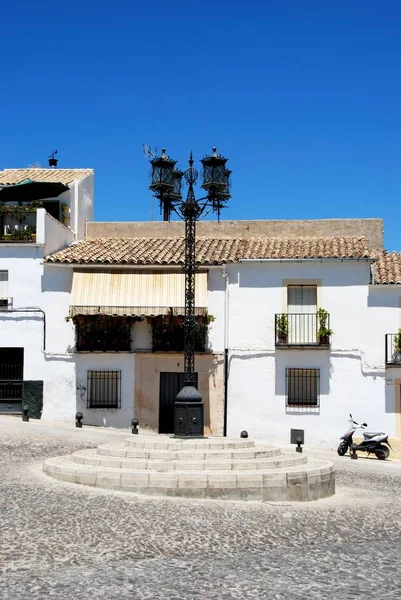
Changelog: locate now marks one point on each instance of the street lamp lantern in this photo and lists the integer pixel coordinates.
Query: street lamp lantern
(216, 177)
(177, 184)
(162, 173)
(216, 180)
(166, 183)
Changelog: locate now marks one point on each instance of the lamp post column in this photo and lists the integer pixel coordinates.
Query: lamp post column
(188, 408)
(166, 186)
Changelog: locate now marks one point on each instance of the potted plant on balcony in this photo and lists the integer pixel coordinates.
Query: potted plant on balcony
(282, 329)
(397, 347)
(324, 332)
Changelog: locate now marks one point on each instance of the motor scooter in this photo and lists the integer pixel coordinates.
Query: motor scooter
(373, 442)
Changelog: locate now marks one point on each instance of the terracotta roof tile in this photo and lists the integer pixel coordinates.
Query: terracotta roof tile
(170, 251)
(66, 176)
(388, 268)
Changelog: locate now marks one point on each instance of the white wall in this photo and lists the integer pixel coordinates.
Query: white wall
(216, 308)
(57, 235)
(141, 336)
(66, 388)
(352, 373)
(24, 329)
(82, 205)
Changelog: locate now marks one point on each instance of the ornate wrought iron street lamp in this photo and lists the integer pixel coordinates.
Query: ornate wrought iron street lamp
(166, 185)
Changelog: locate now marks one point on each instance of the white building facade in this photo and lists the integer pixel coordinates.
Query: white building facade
(251, 375)
(297, 323)
(301, 383)
(41, 211)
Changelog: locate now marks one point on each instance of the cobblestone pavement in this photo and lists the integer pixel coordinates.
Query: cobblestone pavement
(58, 540)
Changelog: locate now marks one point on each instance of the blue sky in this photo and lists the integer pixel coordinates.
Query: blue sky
(303, 97)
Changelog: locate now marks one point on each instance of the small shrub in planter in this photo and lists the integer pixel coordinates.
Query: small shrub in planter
(324, 332)
(282, 329)
(397, 347)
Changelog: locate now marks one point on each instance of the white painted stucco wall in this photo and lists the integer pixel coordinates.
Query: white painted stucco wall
(24, 329)
(81, 205)
(352, 373)
(66, 371)
(57, 235)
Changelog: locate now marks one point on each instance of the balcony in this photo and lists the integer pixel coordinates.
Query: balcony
(17, 224)
(102, 333)
(168, 333)
(393, 349)
(302, 330)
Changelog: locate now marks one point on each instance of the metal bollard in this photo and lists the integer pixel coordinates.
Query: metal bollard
(25, 410)
(244, 434)
(78, 418)
(134, 425)
(352, 452)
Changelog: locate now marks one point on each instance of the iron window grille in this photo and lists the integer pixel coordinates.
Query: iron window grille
(104, 389)
(102, 333)
(11, 374)
(303, 387)
(168, 333)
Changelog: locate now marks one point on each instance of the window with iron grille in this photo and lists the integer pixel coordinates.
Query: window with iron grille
(11, 373)
(303, 387)
(104, 389)
(102, 333)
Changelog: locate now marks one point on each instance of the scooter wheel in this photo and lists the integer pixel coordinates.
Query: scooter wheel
(342, 449)
(382, 453)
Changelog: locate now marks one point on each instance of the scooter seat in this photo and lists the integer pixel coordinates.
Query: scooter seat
(372, 434)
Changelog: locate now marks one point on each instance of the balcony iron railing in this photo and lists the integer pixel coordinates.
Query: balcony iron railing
(393, 349)
(168, 334)
(17, 224)
(301, 329)
(102, 333)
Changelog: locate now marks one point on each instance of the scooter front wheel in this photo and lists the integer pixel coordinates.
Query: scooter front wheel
(342, 449)
(382, 453)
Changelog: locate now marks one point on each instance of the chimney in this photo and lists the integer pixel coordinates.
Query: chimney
(53, 161)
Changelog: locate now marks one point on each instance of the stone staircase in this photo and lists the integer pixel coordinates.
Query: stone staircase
(220, 468)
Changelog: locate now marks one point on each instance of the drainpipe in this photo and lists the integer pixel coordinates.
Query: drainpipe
(225, 275)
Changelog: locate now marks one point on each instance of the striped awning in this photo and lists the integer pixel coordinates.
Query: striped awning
(134, 293)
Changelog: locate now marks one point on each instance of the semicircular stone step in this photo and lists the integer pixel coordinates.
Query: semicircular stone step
(308, 481)
(169, 443)
(123, 451)
(92, 457)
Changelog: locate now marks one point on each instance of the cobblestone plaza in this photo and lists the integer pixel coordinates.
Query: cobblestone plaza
(59, 540)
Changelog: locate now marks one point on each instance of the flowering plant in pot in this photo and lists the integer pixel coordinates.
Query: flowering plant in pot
(282, 328)
(324, 332)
